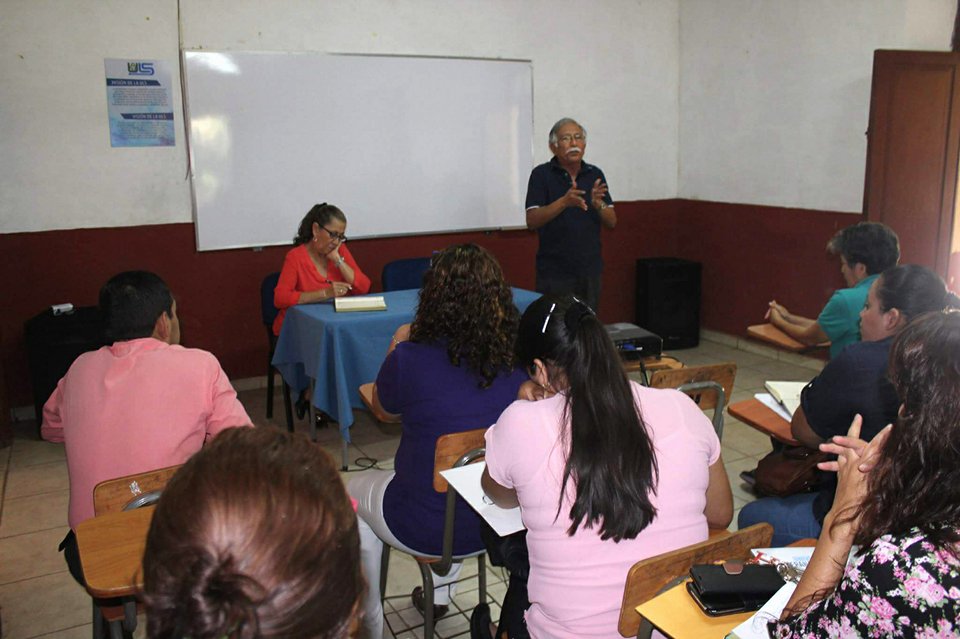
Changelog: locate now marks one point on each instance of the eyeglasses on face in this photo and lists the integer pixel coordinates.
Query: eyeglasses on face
(334, 235)
(567, 139)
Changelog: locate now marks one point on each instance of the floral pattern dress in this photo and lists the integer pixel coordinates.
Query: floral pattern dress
(901, 587)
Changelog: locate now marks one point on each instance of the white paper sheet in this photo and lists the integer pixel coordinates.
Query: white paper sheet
(466, 481)
(767, 400)
(756, 626)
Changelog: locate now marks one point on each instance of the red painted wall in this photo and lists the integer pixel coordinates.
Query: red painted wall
(753, 254)
(749, 253)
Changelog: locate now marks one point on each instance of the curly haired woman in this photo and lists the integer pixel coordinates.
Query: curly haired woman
(452, 370)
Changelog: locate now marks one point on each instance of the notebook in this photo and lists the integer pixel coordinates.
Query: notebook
(787, 393)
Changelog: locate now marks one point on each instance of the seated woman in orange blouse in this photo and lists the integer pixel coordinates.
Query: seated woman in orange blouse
(319, 267)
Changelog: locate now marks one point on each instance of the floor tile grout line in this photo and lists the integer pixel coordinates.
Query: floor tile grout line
(33, 532)
(6, 474)
(48, 634)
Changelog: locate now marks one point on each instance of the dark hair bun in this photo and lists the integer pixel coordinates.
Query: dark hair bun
(222, 599)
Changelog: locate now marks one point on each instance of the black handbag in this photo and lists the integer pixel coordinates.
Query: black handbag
(720, 591)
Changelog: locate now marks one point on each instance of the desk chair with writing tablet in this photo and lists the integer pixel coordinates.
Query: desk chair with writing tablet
(115, 495)
(453, 451)
(708, 386)
(648, 577)
(268, 313)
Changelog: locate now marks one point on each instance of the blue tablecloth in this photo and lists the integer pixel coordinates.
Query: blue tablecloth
(344, 350)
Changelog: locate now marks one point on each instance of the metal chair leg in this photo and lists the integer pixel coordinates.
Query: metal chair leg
(428, 620)
(384, 565)
(288, 406)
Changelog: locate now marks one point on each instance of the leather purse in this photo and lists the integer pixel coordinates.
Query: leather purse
(789, 471)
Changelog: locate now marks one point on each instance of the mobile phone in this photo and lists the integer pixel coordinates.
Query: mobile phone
(719, 605)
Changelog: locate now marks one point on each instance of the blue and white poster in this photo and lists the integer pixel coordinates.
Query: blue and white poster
(139, 102)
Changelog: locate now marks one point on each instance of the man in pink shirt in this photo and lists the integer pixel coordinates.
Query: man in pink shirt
(143, 403)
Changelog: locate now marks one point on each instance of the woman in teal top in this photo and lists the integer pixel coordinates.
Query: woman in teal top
(866, 250)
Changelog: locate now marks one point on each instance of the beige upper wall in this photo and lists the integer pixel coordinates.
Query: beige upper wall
(613, 65)
(775, 94)
(755, 101)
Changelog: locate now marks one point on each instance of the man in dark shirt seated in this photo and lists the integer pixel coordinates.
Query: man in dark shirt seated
(855, 382)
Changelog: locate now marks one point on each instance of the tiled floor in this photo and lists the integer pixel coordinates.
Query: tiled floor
(38, 598)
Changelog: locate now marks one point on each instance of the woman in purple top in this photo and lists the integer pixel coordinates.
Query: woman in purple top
(452, 370)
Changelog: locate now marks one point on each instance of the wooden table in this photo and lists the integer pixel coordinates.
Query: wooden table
(752, 412)
(675, 614)
(111, 551)
(773, 335)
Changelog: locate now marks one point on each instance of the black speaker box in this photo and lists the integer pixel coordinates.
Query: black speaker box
(668, 300)
(53, 342)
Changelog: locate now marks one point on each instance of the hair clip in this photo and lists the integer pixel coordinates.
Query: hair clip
(546, 320)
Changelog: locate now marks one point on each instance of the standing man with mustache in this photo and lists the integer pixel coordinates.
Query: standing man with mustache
(567, 201)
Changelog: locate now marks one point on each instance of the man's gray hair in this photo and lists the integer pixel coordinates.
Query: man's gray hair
(564, 122)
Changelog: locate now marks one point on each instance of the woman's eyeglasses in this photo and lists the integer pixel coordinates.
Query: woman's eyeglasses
(334, 235)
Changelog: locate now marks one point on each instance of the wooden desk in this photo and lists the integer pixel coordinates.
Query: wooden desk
(111, 551)
(675, 614)
(651, 364)
(773, 335)
(753, 413)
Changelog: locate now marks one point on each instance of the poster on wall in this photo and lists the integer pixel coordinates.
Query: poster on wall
(139, 102)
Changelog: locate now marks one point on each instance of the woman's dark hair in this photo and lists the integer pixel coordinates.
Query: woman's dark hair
(131, 302)
(254, 537)
(466, 305)
(913, 290)
(320, 214)
(611, 458)
(916, 482)
(872, 244)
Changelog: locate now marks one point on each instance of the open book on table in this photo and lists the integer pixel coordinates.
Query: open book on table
(786, 393)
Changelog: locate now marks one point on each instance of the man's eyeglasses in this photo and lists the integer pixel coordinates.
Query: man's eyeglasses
(567, 139)
(334, 235)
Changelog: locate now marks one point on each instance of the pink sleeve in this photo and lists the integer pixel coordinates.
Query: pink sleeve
(361, 283)
(52, 427)
(286, 293)
(227, 410)
(698, 424)
(508, 447)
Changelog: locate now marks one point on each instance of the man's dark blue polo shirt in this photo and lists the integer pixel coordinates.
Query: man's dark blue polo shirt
(570, 242)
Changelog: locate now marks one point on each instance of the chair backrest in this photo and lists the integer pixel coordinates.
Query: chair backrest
(450, 448)
(268, 311)
(132, 491)
(709, 386)
(403, 274)
(647, 577)
(453, 450)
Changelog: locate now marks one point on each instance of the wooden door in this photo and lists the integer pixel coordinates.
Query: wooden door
(912, 152)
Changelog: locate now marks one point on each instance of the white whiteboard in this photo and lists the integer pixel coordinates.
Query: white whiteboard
(401, 144)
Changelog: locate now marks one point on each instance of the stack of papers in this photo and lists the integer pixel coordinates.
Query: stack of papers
(364, 303)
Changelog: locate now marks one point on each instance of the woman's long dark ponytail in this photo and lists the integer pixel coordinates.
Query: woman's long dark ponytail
(611, 458)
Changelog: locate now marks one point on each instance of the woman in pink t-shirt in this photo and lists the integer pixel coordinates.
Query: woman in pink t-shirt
(606, 472)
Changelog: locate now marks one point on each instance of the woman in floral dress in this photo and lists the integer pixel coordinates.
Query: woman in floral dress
(898, 500)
